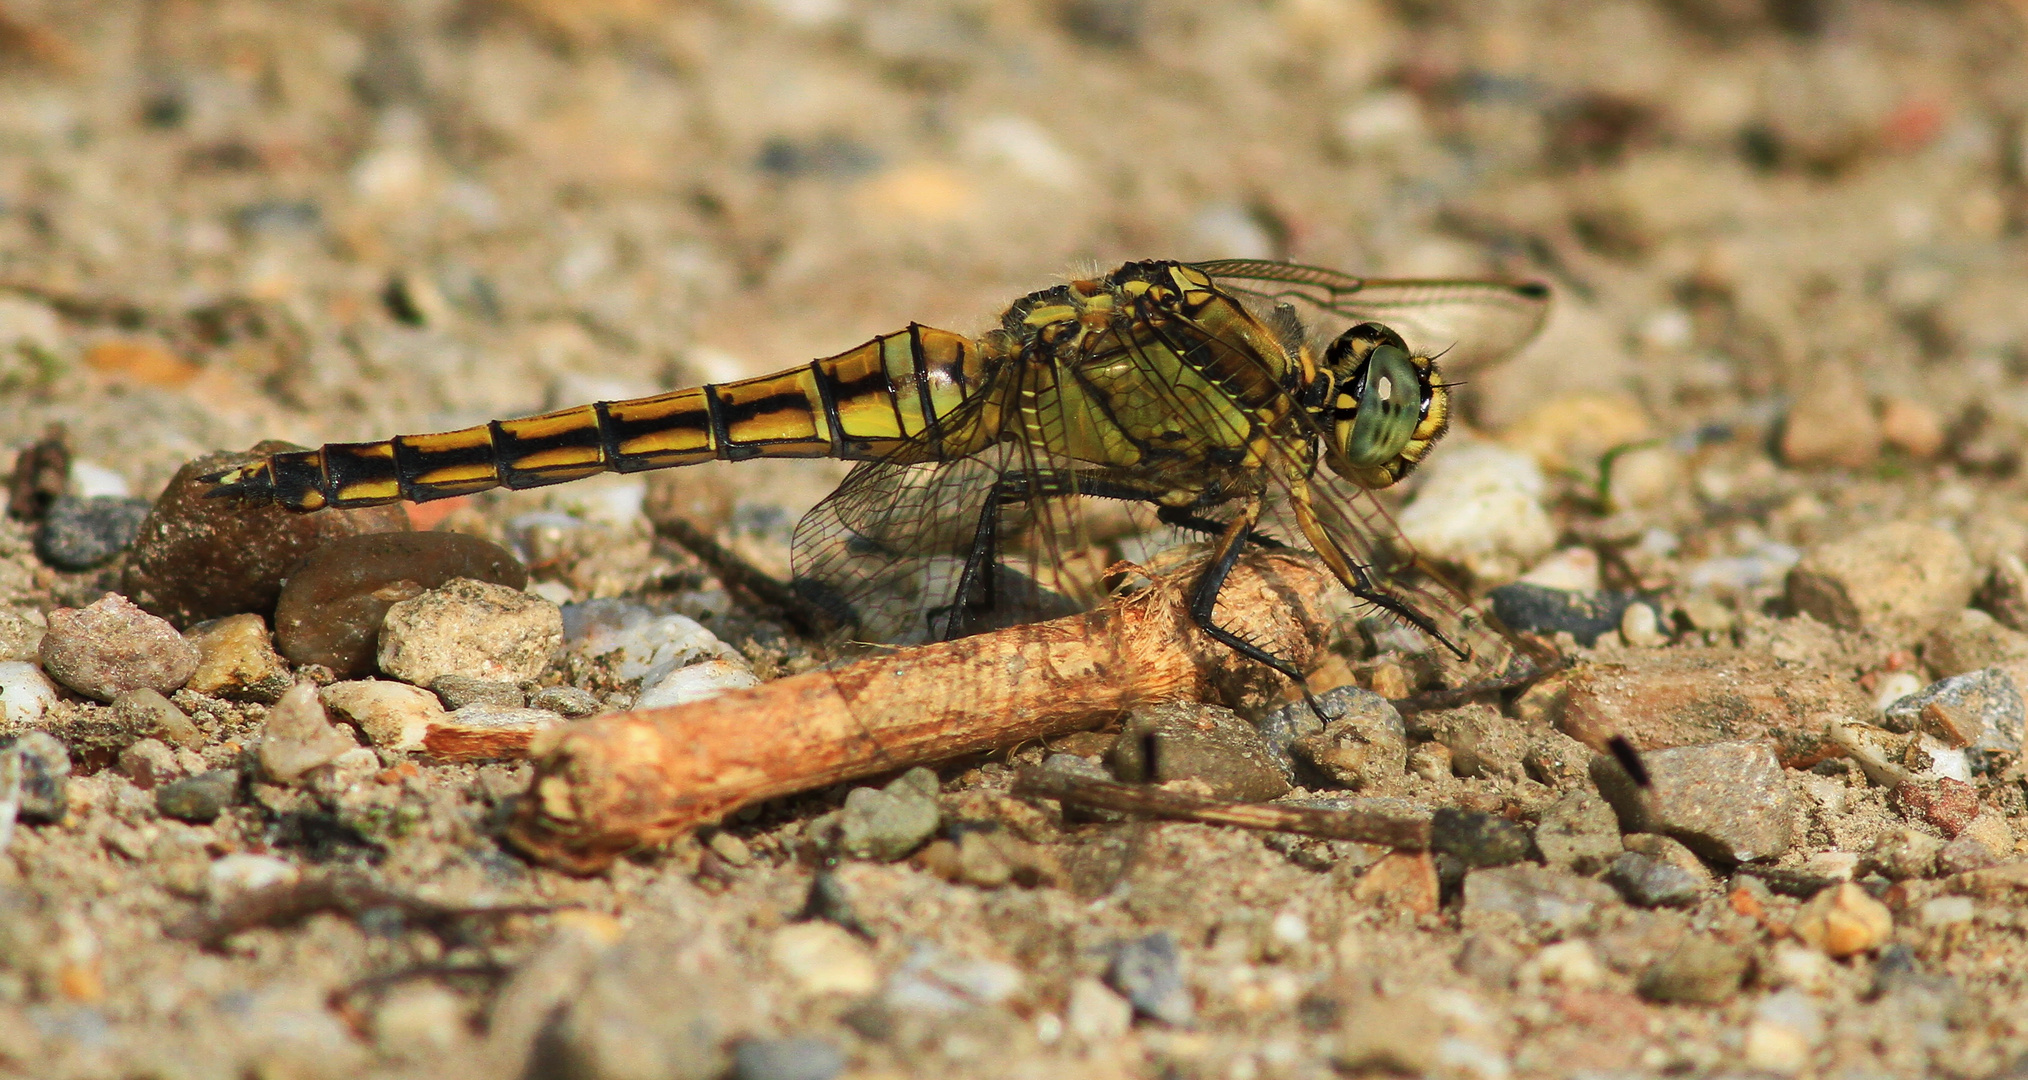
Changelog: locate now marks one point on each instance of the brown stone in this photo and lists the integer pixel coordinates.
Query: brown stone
(1843, 921)
(1948, 804)
(199, 558)
(1831, 423)
(1691, 696)
(1900, 570)
(1401, 881)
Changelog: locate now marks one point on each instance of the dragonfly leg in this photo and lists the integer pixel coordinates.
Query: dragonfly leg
(1204, 598)
(1356, 578)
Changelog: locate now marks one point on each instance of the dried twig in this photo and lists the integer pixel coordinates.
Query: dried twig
(1409, 832)
(741, 575)
(618, 782)
(349, 892)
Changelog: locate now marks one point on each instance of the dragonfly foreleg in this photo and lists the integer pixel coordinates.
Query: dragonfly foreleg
(1231, 543)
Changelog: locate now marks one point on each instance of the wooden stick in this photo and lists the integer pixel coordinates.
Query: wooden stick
(618, 782)
(1410, 832)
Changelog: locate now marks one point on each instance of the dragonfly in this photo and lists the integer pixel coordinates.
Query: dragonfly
(1245, 403)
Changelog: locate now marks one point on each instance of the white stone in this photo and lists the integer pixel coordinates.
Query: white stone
(242, 872)
(679, 685)
(1801, 967)
(1948, 911)
(392, 715)
(1573, 569)
(474, 628)
(298, 736)
(1640, 628)
(642, 643)
(823, 958)
(1094, 1013)
(1893, 688)
(1783, 1032)
(420, 1021)
(25, 693)
(1480, 508)
(1568, 963)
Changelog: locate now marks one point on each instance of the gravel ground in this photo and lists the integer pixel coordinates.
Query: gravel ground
(1758, 478)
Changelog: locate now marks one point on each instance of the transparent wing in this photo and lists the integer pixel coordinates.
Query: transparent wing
(1474, 324)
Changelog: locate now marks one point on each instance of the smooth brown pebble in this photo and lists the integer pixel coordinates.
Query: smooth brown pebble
(332, 607)
(199, 557)
(146, 713)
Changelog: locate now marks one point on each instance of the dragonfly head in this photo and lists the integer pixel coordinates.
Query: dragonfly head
(1382, 406)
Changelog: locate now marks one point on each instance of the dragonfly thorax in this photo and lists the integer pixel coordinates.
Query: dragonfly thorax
(1381, 405)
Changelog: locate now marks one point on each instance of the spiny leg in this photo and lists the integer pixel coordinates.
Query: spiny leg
(1204, 597)
(1355, 578)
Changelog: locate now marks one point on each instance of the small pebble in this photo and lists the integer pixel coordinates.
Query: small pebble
(1641, 627)
(298, 737)
(1903, 853)
(566, 700)
(1579, 832)
(80, 533)
(45, 775)
(1970, 640)
(1148, 971)
(199, 799)
(1095, 1014)
(667, 686)
(1584, 615)
(1701, 970)
(1476, 838)
(1948, 911)
(199, 558)
(112, 646)
(236, 660)
(333, 608)
(1965, 854)
(1198, 742)
(458, 691)
(1650, 882)
(1549, 902)
(823, 958)
(469, 627)
(392, 715)
(786, 1059)
(420, 1021)
(1843, 921)
(886, 824)
(2005, 592)
(1483, 743)
(1982, 710)
(149, 763)
(21, 634)
(1831, 423)
(244, 872)
(1480, 507)
(1401, 881)
(1902, 569)
(1948, 804)
(1568, 963)
(1783, 1034)
(26, 694)
(1728, 801)
(636, 642)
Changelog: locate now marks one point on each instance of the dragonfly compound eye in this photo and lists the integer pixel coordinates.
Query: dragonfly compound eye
(1380, 407)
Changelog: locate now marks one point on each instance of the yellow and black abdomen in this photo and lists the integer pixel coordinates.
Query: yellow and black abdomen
(898, 397)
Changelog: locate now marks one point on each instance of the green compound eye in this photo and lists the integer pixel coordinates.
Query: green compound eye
(1389, 394)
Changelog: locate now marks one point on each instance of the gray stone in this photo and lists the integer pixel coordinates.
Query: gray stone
(80, 533)
(2005, 593)
(112, 647)
(564, 700)
(1701, 970)
(1364, 745)
(44, 769)
(458, 691)
(1646, 881)
(786, 1059)
(147, 714)
(1579, 832)
(1903, 853)
(1726, 801)
(1965, 853)
(886, 824)
(1148, 972)
(1548, 902)
(1582, 613)
(1197, 742)
(469, 627)
(1981, 709)
(198, 799)
(640, 1016)
(1899, 570)
(1482, 742)
(1476, 838)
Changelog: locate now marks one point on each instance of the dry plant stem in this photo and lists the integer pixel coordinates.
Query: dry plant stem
(1410, 833)
(615, 783)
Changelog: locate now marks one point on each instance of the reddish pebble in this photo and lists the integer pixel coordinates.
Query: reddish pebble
(1948, 804)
